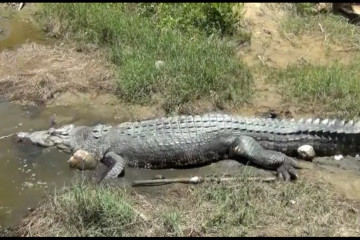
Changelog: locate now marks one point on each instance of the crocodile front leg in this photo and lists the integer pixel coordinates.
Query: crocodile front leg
(249, 148)
(115, 165)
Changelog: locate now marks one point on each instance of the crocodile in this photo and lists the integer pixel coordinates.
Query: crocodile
(186, 140)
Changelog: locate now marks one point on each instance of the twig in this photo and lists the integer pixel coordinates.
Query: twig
(261, 60)
(302, 57)
(194, 180)
(2, 137)
(21, 6)
(141, 215)
(321, 28)
(291, 41)
(348, 49)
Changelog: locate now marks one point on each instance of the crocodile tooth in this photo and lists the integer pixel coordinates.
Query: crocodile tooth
(292, 120)
(301, 120)
(308, 120)
(342, 123)
(350, 123)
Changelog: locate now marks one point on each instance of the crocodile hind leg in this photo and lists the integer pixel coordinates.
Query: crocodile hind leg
(249, 148)
(115, 166)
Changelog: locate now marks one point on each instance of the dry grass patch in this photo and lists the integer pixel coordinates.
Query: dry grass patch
(35, 73)
(243, 208)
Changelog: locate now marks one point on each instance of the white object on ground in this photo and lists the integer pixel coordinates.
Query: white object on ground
(338, 157)
(306, 152)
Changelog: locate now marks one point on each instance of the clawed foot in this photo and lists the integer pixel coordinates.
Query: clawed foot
(287, 171)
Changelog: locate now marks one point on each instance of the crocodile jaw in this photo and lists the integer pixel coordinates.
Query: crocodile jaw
(53, 137)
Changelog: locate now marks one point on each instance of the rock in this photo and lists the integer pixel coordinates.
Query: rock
(82, 160)
(159, 64)
(338, 157)
(306, 152)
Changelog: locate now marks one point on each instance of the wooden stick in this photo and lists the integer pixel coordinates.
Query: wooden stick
(21, 6)
(195, 180)
(2, 137)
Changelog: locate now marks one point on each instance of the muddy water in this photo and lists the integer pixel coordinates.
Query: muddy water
(14, 32)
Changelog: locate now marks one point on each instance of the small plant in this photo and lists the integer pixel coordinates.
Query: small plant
(219, 18)
(335, 87)
(172, 223)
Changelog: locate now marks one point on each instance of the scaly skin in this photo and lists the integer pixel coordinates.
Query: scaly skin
(193, 140)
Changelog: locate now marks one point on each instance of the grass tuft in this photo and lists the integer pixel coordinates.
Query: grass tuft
(195, 65)
(332, 90)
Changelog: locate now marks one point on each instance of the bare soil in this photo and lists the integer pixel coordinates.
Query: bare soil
(269, 48)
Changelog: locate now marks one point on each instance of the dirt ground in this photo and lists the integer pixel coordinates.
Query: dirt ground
(269, 49)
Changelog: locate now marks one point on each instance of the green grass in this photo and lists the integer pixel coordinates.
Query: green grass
(196, 65)
(239, 208)
(333, 89)
(335, 29)
(86, 210)
(171, 222)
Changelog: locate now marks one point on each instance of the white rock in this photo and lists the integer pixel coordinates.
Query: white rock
(306, 152)
(159, 64)
(338, 157)
(194, 179)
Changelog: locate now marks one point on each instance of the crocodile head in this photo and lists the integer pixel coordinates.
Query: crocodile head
(58, 137)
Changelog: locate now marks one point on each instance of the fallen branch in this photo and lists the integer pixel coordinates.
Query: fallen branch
(21, 6)
(2, 137)
(195, 180)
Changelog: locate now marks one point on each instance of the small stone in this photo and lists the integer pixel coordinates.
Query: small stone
(195, 179)
(306, 152)
(159, 64)
(338, 157)
(82, 160)
(292, 202)
(33, 175)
